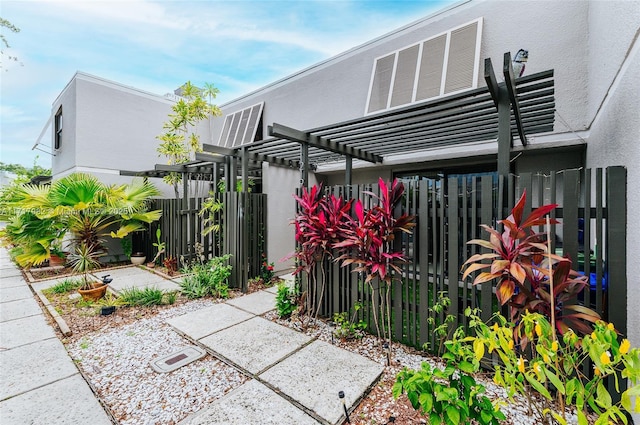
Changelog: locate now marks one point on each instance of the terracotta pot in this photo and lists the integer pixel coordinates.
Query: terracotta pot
(151, 265)
(98, 290)
(55, 261)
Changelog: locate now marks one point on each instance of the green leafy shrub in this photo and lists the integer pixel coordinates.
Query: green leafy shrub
(451, 395)
(555, 369)
(142, 297)
(286, 300)
(207, 279)
(349, 329)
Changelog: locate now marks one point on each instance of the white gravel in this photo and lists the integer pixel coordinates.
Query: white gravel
(116, 361)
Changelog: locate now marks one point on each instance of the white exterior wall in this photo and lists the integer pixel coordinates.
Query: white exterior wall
(586, 43)
(108, 127)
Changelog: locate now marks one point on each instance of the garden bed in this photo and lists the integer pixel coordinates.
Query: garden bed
(114, 353)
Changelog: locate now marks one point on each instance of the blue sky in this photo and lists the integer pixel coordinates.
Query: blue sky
(156, 46)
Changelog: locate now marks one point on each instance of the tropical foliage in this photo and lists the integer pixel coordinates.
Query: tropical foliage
(319, 225)
(180, 139)
(368, 243)
(525, 269)
(79, 205)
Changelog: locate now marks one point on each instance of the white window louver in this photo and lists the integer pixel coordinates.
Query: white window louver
(240, 127)
(444, 64)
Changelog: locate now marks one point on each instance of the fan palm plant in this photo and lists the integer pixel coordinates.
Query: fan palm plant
(78, 204)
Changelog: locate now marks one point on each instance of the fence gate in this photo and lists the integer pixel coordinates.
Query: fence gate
(242, 232)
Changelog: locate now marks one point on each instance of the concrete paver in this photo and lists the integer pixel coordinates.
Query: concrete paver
(9, 271)
(68, 401)
(41, 384)
(257, 303)
(314, 375)
(15, 293)
(26, 330)
(135, 277)
(11, 281)
(198, 324)
(251, 403)
(31, 366)
(17, 309)
(255, 344)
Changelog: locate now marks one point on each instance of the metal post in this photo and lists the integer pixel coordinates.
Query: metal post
(245, 170)
(304, 164)
(505, 141)
(347, 170)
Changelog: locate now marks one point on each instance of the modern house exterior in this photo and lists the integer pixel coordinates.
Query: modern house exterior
(591, 47)
(101, 127)
(583, 63)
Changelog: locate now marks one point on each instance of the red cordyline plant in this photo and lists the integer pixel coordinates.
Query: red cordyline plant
(318, 228)
(368, 244)
(526, 271)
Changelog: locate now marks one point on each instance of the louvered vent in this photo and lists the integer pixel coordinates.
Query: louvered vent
(441, 65)
(240, 127)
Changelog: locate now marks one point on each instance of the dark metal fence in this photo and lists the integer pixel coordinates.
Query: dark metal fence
(242, 232)
(449, 213)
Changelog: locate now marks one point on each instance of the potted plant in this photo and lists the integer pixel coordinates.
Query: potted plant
(57, 257)
(83, 260)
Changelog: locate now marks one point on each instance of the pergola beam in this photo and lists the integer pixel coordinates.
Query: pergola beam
(288, 133)
(252, 156)
(510, 82)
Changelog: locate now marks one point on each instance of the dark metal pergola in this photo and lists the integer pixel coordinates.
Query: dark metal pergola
(498, 111)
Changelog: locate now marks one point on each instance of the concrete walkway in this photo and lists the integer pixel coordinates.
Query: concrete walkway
(294, 378)
(40, 384)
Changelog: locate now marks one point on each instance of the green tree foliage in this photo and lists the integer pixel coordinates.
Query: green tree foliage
(3, 40)
(24, 174)
(181, 140)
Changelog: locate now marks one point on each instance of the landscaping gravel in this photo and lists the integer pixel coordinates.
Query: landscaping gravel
(116, 362)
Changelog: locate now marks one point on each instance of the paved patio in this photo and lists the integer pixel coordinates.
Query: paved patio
(293, 376)
(295, 379)
(40, 382)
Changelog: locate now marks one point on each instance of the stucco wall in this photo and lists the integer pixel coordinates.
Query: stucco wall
(65, 157)
(114, 128)
(336, 90)
(616, 137)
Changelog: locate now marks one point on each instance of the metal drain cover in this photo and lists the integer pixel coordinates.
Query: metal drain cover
(177, 359)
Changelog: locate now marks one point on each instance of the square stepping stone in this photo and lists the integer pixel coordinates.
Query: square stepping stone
(203, 322)
(15, 293)
(18, 309)
(31, 366)
(15, 333)
(49, 405)
(257, 303)
(250, 403)
(10, 271)
(255, 344)
(11, 281)
(316, 374)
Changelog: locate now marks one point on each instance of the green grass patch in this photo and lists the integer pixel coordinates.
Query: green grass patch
(142, 297)
(63, 287)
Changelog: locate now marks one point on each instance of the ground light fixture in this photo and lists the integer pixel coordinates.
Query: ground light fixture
(385, 347)
(344, 405)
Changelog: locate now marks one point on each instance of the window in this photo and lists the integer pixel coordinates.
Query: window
(57, 137)
(441, 65)
(241, 127)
